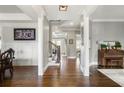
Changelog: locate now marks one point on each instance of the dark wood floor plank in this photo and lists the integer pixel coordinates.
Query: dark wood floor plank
(67, 75)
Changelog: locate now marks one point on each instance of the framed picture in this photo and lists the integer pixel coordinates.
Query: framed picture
(24, 33)
(70, 41)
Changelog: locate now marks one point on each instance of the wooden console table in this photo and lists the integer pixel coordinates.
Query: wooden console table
(110, 57)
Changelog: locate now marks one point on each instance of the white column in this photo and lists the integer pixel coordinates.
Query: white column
(40, 45)
(82, 44)
(86, 45)
(0, 37)
(50, 37)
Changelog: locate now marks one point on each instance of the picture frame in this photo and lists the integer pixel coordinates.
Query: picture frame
(70, 41)
(24, 34)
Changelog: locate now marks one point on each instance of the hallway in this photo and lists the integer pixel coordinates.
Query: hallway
(68, 75)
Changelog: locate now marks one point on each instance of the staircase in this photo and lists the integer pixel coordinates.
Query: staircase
(55, 56)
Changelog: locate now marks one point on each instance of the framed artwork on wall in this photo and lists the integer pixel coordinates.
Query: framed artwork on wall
(70, 41)
(24, 33)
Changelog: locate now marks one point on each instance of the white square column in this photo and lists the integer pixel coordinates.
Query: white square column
(0, 38)
(84, 65)
(86, 45)
(40, 45)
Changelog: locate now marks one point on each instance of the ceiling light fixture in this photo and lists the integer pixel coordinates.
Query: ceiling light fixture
(71, 23)
(63, 7)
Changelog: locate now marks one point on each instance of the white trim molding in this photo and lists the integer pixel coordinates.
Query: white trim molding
(81, 68)
(13, 16)
(40, 46)
(72, 57)
(45, 68)
(94, 63)
(107, 20)
(50, 64)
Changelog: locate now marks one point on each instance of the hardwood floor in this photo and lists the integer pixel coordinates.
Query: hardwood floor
(68, 75)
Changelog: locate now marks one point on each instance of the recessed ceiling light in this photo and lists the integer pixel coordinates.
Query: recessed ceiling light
(71, 23)
(63, 7)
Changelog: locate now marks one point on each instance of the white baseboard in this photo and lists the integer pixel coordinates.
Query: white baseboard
(50, 64)
(72, 57)
(93, 63)
(81, 68)
(24, 65)
(45, 68)
(85, 74)
(53, 64)
(25, 62)
(41, 73)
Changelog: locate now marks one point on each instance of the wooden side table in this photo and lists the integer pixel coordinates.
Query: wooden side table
(118, 62)
(119, 59)
(1, 74)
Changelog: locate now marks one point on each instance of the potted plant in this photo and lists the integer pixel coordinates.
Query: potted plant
(118, 45)
(103, 46)
(113, 47)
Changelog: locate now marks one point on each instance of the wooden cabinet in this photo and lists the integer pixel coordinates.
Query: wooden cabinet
(110, 57)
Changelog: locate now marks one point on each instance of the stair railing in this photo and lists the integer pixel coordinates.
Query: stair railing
(57, 51)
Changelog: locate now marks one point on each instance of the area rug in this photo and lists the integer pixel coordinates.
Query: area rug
(116, 75)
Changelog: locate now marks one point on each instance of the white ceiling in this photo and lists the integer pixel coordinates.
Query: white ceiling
(68, 19)
(71, 17)
(11, 13)
(73, 12)
(9, 9)
(107, 12)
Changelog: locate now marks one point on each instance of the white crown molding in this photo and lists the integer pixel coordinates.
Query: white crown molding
(14, 16)
(18, 24)
(39, 9)
(107, 20)
(30, 11)
(90, 10)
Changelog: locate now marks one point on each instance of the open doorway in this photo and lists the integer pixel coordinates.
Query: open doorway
(78, 45)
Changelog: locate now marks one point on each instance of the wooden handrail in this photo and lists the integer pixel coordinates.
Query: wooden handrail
(58, 55)
(53, 44)
(58, 51)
